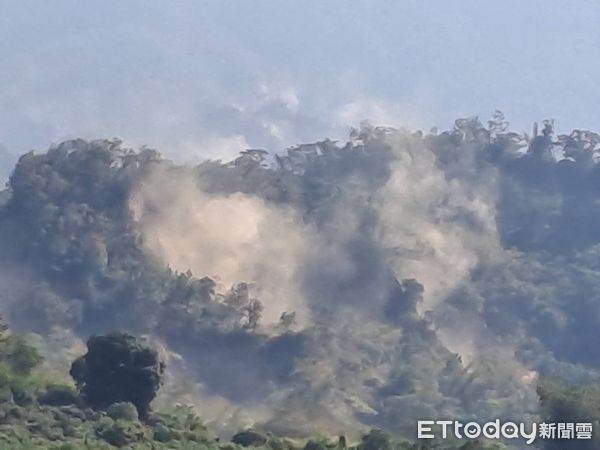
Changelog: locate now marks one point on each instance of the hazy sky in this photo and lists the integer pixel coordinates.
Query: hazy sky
(207, 78)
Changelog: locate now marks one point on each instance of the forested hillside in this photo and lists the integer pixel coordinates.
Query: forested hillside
(325, 291)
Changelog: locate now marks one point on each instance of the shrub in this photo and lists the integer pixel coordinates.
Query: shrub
(123, 411)
(59, 395)
(249, 438)
(117, 368)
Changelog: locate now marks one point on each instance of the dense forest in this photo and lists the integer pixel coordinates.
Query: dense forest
(325, 297)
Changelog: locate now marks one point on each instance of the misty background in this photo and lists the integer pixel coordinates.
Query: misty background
(329, 286)
(206, 79)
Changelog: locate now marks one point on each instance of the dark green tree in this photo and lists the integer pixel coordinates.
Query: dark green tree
(118, 368)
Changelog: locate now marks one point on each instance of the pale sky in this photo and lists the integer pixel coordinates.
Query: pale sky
(205, 79)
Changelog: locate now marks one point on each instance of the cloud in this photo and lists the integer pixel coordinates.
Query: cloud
(408, 114)
(226, 148)
(7, 163)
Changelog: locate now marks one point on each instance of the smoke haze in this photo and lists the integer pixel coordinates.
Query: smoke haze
(331, 287)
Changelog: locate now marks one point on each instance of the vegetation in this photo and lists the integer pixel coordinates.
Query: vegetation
(115, 369)
(117, 378)
(568, 403)
(495, 231)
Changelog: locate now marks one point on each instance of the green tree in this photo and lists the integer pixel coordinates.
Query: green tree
(118, 368)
